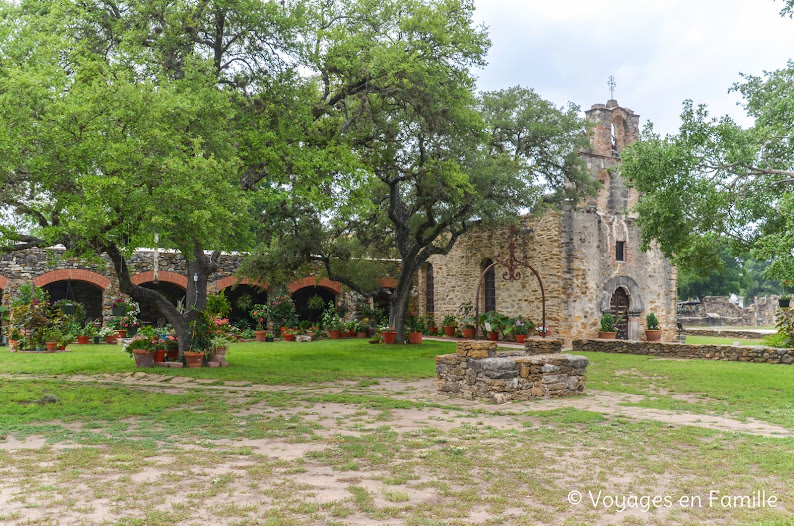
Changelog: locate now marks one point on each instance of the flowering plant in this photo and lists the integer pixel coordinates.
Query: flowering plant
(544, 331)
(131, 308)
(523, 327)
(282, 311)
(106, 331)
(788, 286)
(259, 313)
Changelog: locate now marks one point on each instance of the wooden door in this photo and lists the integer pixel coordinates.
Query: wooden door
(620, 309)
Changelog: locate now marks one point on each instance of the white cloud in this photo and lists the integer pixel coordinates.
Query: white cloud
(660, 53)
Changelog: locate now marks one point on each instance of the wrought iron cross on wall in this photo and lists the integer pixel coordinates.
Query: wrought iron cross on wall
(513, 273)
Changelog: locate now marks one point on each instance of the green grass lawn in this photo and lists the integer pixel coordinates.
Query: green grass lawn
(265, 363)
(368, 452)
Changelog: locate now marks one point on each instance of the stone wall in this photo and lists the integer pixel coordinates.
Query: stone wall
(478, 371)
(687, 351)
(761, 312)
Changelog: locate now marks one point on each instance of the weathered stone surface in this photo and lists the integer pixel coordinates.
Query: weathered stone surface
(513, 376)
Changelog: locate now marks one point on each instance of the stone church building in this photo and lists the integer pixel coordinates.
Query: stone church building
(588, 257)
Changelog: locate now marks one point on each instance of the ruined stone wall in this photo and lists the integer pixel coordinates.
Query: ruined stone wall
(762, 312)
(682, 350)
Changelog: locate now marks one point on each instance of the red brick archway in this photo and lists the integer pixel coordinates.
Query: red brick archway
(311, 281)
(74, 274)
(229, 281)
(163, 275)
(3, 282)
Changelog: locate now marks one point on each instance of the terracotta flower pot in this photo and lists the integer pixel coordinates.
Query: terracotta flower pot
(607, 335)
(260, 335)
(289, 337)
(110, 338)
(389, 336)
(83, 340)
(493, 336)
(653, 335)
(143, 358)
(521, 338)
(361, 334)
(468, 333)
(414, 337)
(12, 344)
(432, 330)
(121, 334)
(194, 359)
(51, 346)
(159, 355)
(335, 335)
(449, 330)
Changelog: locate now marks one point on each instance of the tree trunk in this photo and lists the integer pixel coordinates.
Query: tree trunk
(199, 269)
(399, 302)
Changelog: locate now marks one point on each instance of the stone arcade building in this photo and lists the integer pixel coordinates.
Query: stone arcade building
(588, 257)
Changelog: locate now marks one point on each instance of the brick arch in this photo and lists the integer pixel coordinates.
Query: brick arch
(3, 282)
(74, 274)
(311, 281)
(388, 283)
(163, 275)
(230, 281)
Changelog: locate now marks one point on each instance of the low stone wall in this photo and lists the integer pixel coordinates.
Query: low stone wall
(538, 345)
(723, 333)
(478, 370)
(687, 351)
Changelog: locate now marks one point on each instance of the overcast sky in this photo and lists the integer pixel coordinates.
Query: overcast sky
(660, 52)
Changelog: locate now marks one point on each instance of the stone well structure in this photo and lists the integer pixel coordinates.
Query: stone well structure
(478, 371)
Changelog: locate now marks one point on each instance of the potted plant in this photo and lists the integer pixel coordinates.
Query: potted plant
(331, 322)
(362, 329)
(219, 346)
(52, 336)
(282, 311)
(784, 301)
(389, 334)
(108, 333)
(521, 329)
(653, 333)
(142, 350)
(450, 324)
(87, 332)
(350, 328)
(608, 326)
(171, 347)
(416, 328)
(430, 323)
(467, 320)
(259, 313)
(269, 337)
(289, 334)
(14, 335)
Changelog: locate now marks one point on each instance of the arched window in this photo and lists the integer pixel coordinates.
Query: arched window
(490, 286)
(430, 302)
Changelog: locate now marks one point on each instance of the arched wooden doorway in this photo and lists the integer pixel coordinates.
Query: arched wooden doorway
(620, 309)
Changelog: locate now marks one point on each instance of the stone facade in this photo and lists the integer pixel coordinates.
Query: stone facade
(682, 350)
(478, 371)
(586, 256)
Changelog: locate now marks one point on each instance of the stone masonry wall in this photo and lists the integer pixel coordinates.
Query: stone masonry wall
(478, 371)
(456, 274)
(25, 266)
(682, 350)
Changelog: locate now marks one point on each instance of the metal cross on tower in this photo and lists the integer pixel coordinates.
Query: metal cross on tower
(611, 84)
